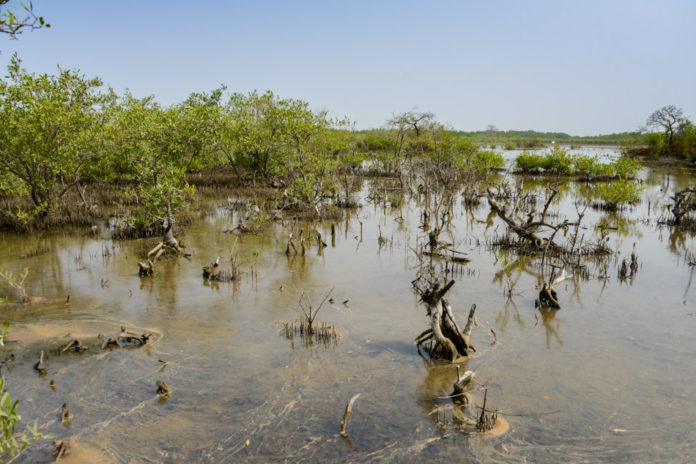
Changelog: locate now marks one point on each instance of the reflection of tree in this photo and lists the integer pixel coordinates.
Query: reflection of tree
(503, 316)
(437, 383)
(619, 224)
(678, 242)
(552, 325)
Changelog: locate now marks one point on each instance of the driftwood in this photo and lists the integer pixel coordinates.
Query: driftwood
(450, 341)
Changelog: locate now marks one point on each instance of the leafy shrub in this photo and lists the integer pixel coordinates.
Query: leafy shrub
(625, 167)
(487, 159)
(618, 193)
(526, 161)
(559, 161)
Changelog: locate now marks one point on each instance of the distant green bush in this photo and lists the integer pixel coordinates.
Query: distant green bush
(559, 161)
(526, 161)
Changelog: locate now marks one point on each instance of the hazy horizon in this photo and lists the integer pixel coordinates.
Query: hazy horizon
(581, 68)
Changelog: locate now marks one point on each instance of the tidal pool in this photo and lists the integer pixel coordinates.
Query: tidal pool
(608, 378)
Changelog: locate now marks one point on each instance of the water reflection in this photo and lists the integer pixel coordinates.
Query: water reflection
(234, 379)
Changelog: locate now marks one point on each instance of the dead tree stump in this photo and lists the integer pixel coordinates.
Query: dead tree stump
(450, 341)
(168, 243)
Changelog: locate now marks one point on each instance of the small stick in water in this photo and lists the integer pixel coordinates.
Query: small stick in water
(39, 366)
(346, 415)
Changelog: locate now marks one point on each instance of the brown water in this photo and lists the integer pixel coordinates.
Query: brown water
(608, 378)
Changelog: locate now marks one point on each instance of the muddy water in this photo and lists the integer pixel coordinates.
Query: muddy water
(608, 378)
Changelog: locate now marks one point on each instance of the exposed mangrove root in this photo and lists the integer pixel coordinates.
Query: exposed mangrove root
(461, 399)
(168, 244)
(451, 258)
(548, 297)
(629, 266)
(163, 390)
(486, 421)
(213, 271)
(450, 341)
(241, 228)
(307, 329)
(527, 230)
(290, 244)
(441, 250)
(322, 334)
(61, 448)
(75, 345)
(127, 339)
(346, 414)
(684, 201)
(322, 243)
(65, 415)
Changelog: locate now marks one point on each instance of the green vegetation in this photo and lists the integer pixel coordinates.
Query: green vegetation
(48, 135)
(12, 442)
(73, 151)
(559, 161)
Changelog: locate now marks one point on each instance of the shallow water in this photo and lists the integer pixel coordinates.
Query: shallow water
(609, 377)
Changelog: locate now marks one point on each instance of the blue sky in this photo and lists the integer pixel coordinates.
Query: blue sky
(582, 67)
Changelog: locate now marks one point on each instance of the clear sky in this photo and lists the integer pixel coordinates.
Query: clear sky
(582, 67)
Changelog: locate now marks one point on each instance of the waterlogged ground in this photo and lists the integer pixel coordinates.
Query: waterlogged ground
(608, 378)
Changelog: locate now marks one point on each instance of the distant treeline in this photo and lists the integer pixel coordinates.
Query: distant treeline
(530, 138)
